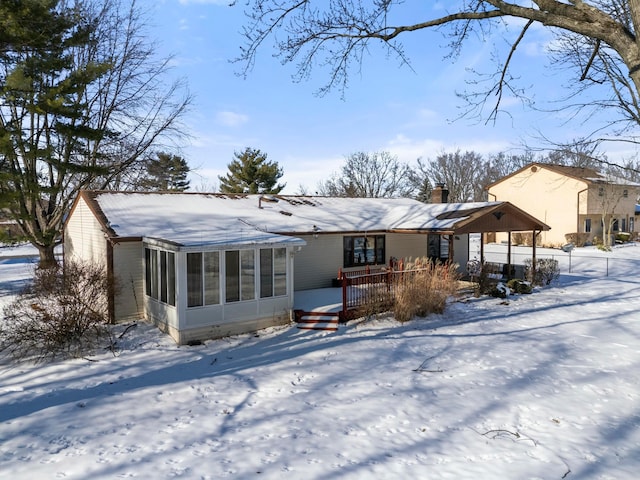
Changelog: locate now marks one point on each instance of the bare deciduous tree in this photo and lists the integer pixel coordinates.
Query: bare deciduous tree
(82, 99)
(596, 38)
(462, 174)
(377, 174)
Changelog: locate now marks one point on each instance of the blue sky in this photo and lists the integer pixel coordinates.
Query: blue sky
(406, 111)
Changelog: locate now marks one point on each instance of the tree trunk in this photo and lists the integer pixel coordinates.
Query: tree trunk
(47, 256)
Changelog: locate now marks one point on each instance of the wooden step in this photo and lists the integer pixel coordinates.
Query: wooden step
(327, 321)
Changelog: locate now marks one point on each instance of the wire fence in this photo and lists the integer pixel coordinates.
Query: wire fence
(580, 263)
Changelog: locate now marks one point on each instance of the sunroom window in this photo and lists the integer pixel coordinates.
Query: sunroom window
(240, 275)
(273, 272)
(160, 275)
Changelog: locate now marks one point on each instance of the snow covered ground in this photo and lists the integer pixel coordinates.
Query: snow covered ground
(544, 386)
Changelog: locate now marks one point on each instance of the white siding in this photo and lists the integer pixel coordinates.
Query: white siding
(128, 267)
(407, 246)
(317, 264)
(84, 238)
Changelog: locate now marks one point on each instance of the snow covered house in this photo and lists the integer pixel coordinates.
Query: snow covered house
(210, 265)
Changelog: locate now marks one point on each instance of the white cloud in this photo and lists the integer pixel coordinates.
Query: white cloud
(409, 150)
(231, 119)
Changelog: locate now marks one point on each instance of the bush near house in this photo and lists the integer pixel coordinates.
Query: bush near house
(578, 239)
(62, 314)
(524, 238)
(623, 237)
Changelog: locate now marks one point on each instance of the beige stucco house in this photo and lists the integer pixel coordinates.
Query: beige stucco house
(570, 200)
(211, 265)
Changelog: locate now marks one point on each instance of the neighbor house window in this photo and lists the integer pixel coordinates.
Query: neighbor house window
(273, 272)
(160, 275)
(614, 225)
(364, 250)
(625, 193)
(587, 225)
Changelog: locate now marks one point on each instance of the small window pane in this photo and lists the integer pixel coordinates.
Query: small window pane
(171, 278)
(348, 251)
(211, 278)
(248, 274)
(380, 255)
(359, 251)
(163, 276)
(147, 271)
(153, 262)
(194, 279)
(370, 243)
(266, 272)
(280, 271)
(232, 276)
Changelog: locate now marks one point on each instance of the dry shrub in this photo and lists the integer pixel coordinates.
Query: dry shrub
(424, 288)
(62, 314)
(546, 271)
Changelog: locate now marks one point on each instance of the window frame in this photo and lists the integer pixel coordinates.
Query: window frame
(375, 245)
(273, 272)
(160, 275)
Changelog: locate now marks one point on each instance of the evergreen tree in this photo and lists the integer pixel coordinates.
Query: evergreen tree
(166, 172)
(250, 172)
(82, 100)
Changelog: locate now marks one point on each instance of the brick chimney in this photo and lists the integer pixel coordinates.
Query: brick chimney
(439, 194)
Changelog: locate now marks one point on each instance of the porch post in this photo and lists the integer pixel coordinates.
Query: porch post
(508, 255)
(481, 248)
(533, 259)
(450, 248)
(344, 298)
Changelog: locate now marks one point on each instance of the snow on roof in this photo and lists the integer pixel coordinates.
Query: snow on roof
(194, 218)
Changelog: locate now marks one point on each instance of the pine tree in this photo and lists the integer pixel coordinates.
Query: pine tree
(82, 101)
(250, 172)
(166, 172)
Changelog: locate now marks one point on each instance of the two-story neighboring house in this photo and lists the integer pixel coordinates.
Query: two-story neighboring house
(570, 200)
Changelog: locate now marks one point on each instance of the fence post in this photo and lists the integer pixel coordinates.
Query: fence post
(344, 297)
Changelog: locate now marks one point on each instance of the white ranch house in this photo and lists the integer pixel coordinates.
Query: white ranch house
(210, 265)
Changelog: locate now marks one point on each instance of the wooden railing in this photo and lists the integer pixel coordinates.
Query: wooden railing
(372, 291)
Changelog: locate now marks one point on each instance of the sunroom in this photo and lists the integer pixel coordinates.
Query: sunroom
(216, 288)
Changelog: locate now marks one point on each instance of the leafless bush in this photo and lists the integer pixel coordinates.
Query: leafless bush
(424, 288)
(63, 313)
(578, 239)
(546, 271)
